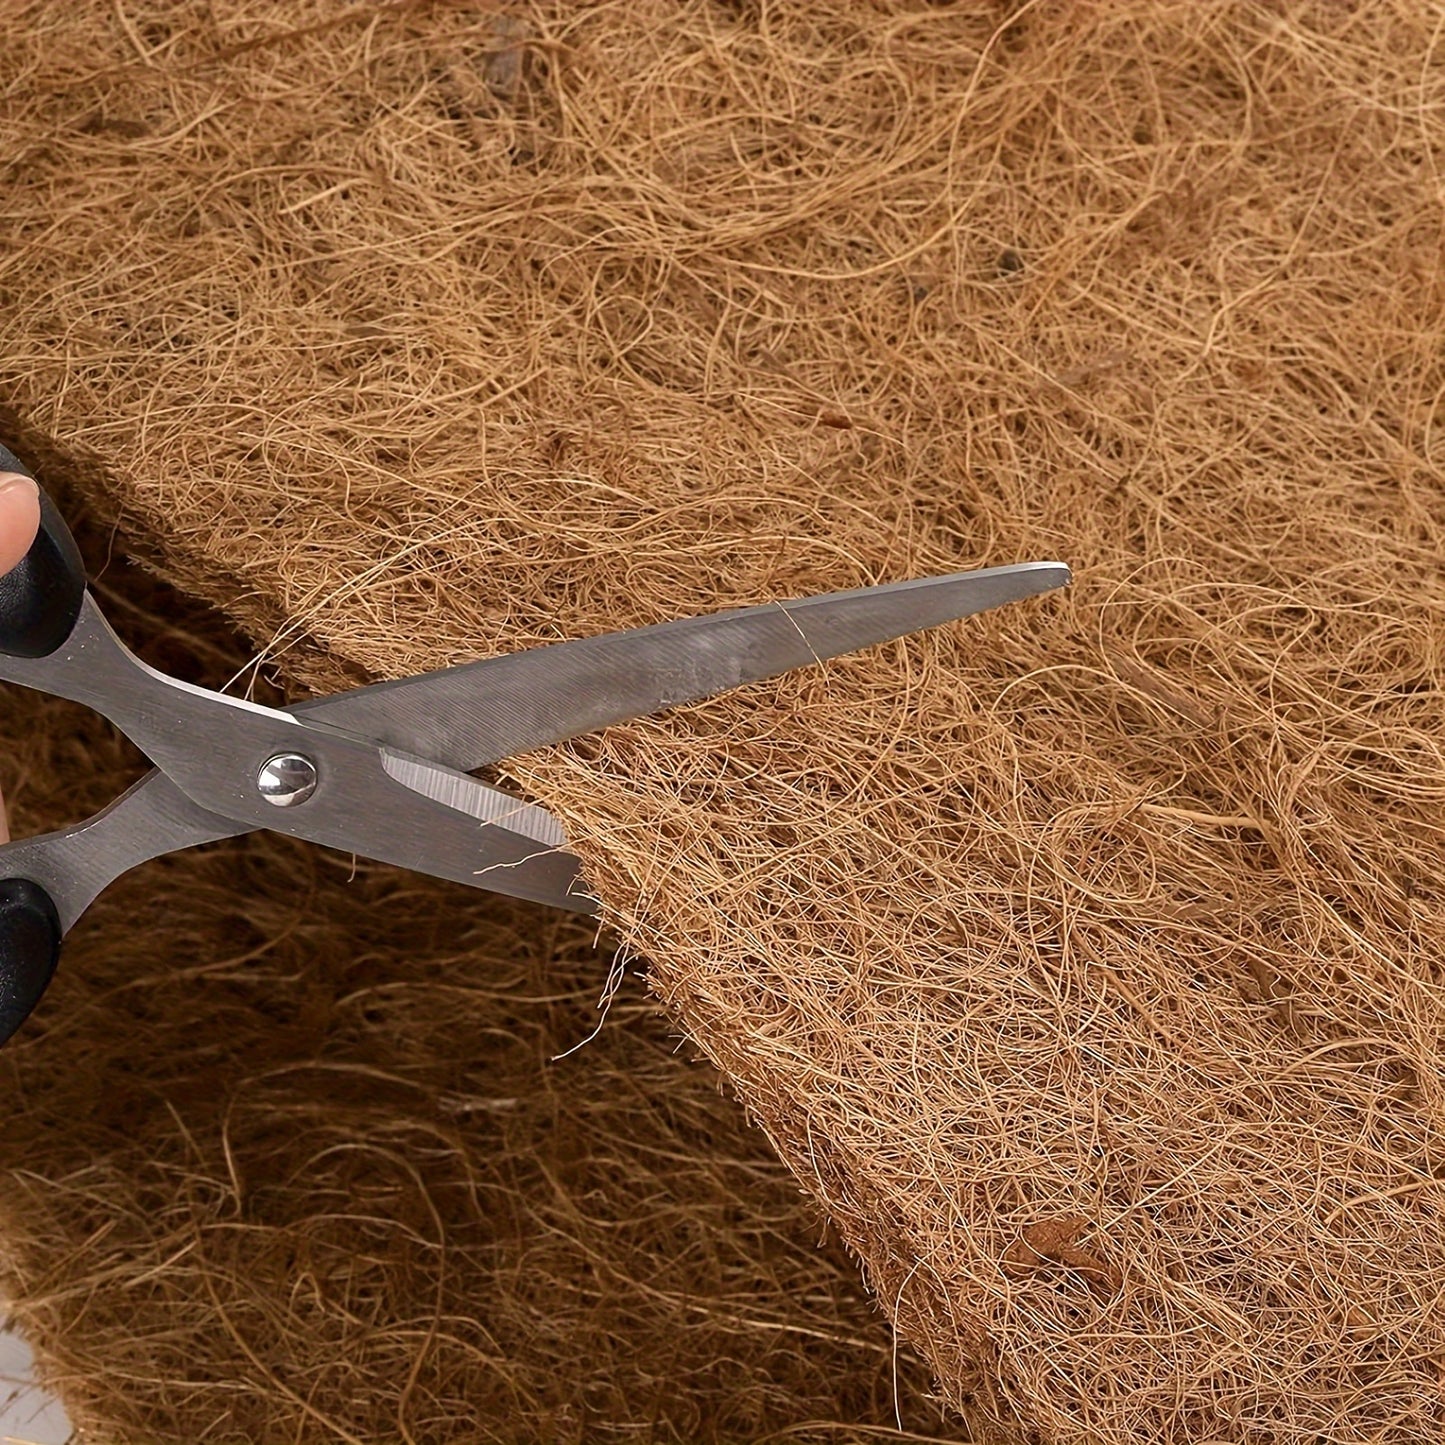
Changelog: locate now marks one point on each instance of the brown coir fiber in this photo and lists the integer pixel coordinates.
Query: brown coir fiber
(1083, 959)
(293, 1156)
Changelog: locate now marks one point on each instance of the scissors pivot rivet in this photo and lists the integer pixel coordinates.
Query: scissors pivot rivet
(286, 780)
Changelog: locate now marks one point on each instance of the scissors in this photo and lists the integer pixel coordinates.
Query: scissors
(383, 771)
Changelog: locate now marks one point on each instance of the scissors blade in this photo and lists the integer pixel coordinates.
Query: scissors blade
(360, 796)
(456, 827)
(481, 712)
(441, 822)
(521, 857)
(153, 818)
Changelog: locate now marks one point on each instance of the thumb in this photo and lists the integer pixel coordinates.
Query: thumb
(19, 518)
(19, 521)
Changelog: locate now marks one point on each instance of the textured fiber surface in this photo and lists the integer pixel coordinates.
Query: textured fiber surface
(1081, 960)
(291, 1155)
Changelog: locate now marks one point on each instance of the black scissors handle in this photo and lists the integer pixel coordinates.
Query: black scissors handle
(29, 950)
(39, 603)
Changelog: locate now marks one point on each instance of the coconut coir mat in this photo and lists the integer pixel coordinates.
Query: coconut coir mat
(295, 1154)
(1081, 960)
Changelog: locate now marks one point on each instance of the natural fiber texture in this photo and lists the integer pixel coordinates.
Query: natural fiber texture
(292, 1156)
(1083, 959)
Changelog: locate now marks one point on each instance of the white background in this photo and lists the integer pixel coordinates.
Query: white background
(27, 1413)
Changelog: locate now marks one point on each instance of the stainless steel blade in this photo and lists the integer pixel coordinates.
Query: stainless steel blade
(466, 795)
(369, 800)
(409, 810)
(75, 865)
(481, 712)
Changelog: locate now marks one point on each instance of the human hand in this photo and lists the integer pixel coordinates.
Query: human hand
(19, 522)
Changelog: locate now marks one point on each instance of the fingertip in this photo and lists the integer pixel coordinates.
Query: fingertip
(19, 517)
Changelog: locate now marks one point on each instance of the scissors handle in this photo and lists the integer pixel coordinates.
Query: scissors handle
(39, 603)
(40, 599)
(29, 949)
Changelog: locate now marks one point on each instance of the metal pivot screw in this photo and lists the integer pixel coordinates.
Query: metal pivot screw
(287, 780)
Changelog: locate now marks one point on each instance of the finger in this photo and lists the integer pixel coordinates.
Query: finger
(19, 518)
(19, 521)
